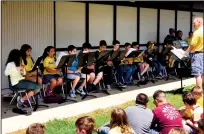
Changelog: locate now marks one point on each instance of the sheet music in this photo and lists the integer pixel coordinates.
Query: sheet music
(85, 52)
(59, 57)
(179, 53)
(183, 43)
(130, 51)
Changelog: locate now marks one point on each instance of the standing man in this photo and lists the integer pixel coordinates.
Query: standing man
(196, 47)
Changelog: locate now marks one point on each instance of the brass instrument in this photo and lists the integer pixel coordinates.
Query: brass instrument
(139, 58)
(169, 57)
(127, 61)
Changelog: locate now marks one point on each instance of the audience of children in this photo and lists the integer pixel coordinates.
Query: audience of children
(138, 119)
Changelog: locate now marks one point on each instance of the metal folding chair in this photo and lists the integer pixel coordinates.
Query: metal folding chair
(17, 92)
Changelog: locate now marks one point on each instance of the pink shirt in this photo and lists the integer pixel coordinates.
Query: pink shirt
(166, 117)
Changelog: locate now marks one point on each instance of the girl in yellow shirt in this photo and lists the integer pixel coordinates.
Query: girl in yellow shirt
(27, 63)
(51, 72)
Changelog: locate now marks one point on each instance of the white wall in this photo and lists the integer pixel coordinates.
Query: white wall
(126, 24)
(183, 22)
(148, 25)
(25, 22)
(70, 24)
(100, 24)
(196, 14)
(167, 20)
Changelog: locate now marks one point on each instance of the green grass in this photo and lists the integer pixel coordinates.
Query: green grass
(67, 125)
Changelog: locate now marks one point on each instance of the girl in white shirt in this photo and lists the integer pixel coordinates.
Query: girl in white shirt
(17, 79)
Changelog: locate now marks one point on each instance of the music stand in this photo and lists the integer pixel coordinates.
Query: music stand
(86, 59)
(103, 57)
(35, 67)
(66, 61)
(180, 61)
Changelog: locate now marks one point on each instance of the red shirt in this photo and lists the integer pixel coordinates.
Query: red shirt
(166, 117)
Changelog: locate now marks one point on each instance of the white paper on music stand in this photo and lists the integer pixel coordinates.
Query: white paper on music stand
(130, 51)
(59, 57)
(179, 53)
(85, 52)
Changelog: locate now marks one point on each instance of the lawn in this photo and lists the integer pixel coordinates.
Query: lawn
(66, 126)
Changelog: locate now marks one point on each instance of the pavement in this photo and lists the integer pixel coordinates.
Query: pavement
(69, 109)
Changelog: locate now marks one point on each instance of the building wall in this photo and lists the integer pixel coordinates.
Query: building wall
(70, 24)
(33, 23)
(26, 23)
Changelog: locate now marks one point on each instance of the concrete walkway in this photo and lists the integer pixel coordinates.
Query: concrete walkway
(20, 122)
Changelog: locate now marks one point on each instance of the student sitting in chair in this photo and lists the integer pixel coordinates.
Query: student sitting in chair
(16, 74)
(51, 73)
(27, 62)
(116, 62)
(74, 73)
(150, 58)
(140, 63)
(106, 67)
(126, 68)
(94, 77)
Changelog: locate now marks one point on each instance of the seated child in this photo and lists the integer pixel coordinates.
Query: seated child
(198, 94)
(36, 128)
(51, 73)
(141, 64)
(199, 101)
(85, 125)
(95, 76)
(150, 58)
(119, 123)
(105, 67)
(126, 70)
(16, 74)
(191, 124)
(74, 73)
(27, 62)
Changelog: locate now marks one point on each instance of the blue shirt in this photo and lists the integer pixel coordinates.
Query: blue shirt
(74, 66)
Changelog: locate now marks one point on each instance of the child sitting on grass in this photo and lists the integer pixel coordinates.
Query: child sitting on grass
(191, 124)
(36, 128)
(85, 125)
(198, 95)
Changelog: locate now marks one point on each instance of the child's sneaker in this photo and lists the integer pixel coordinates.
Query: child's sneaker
(72, 94)
(80, 91)
(19, 103)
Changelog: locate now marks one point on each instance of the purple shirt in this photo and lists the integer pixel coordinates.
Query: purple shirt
(166, 117)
